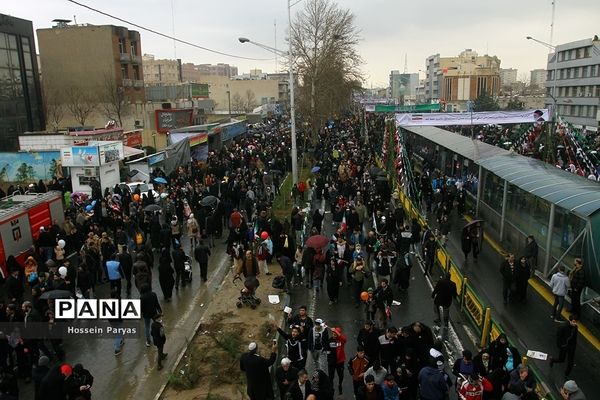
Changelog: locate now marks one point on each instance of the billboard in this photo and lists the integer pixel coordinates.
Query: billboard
(29, 166)
(111, 152)
(472, 118)
(172, 119)
(80, 156)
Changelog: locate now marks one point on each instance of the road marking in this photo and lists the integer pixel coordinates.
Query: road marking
(452, 336)
(549, 297)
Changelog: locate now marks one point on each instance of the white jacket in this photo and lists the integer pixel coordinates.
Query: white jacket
(559, 284)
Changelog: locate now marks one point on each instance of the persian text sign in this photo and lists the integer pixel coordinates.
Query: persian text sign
(475, 118)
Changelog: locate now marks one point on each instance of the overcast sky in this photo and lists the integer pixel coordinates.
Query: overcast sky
(390, 29)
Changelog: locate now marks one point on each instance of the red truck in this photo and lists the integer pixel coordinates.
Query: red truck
(21, 217)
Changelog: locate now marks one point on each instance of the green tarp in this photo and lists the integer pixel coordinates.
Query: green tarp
(390, 108)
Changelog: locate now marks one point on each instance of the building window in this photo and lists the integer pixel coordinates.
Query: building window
(122, 46)
(561, 56)
(136, 72)
(585, 71)
(134, 48)
(124, 71)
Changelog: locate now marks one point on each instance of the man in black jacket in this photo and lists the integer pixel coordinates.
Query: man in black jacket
(256, 367)
(201, 254)
(158, 336)
(126, 262)
(285, 375)
(300, 389)
(442, 296)
(150, 308)
(368, 338)
(566, 341)
(178, 256)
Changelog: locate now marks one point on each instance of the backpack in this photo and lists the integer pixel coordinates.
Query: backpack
(279, 282)
(139, 238)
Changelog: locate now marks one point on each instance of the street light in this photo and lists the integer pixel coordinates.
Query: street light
(552, 49)
(292, 103)
(548, 45)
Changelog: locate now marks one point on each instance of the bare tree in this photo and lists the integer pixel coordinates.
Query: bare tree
(237, 103)
(80, 104)
(113, 101)
(52, 107)
(249, 101)
(324, 39)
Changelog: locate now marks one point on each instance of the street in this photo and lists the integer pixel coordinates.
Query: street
(133, 374)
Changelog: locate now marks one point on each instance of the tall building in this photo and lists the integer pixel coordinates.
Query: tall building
(219, 69)
(433, 78)
(403, 87)
(162, 71)
(538, 78)
(90, 59)
(573, 78)
(508, 76)
(192, 72)
(467, 77)
(20, 99)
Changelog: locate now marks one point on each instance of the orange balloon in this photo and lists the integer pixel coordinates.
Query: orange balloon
(136, 197)
(364, 296)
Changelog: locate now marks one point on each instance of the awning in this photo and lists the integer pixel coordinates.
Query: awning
(131, 151)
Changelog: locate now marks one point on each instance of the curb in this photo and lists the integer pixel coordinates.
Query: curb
(221, 279)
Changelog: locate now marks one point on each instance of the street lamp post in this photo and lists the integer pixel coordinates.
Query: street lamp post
(229, 104)
(291, 86)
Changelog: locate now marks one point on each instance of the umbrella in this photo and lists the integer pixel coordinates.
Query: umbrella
(374, 170)
(152, 208)
(315, 169)
(160, 180)
(317, 241)
(474, 222)
(381, 179)
(209, 201)
(56, 294)
(276, 171)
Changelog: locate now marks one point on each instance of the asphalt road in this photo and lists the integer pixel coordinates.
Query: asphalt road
(133, 374)
(416, 305)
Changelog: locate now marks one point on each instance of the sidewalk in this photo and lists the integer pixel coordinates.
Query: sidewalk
(528, 324)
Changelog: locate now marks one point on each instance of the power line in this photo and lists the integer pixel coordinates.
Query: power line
(164, 34)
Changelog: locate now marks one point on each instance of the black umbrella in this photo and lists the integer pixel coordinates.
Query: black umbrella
(381, 178)
(374, 170)
(152, 208)
(56, 294)
(209, 201)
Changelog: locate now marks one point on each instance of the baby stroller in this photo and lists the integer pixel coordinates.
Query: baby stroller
(187, 269)
(247, 297)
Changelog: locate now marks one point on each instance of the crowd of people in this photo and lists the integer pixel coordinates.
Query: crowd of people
(112, 243)
(574, 152)
(371, 251)
(120, 237)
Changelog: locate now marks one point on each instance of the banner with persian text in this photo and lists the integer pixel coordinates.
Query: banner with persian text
(474, 118)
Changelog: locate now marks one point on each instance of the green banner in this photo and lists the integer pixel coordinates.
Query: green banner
(390, 108)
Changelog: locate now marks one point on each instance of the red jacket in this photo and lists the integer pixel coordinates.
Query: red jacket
(340, 353)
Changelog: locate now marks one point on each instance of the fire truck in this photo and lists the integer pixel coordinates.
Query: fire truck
(21, 217)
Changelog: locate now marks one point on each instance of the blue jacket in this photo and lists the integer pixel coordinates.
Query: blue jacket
(114, 270)
(432, 384)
